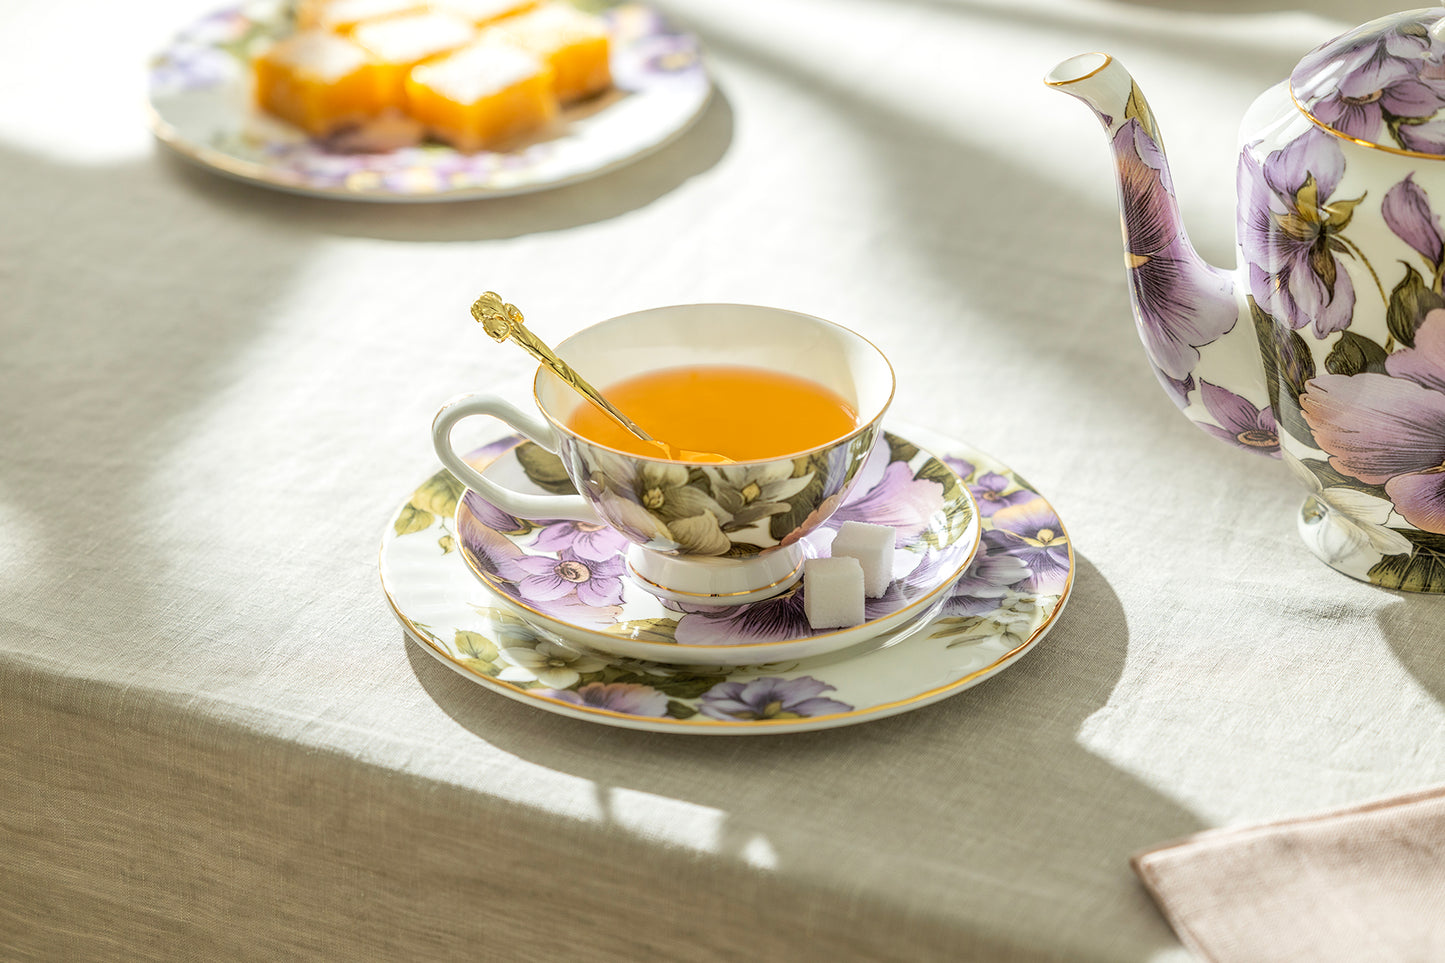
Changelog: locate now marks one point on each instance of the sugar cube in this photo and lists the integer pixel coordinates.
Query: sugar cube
(872, 546)
(833, 592)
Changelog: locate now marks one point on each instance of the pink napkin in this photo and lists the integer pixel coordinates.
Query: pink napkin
(1360, 884)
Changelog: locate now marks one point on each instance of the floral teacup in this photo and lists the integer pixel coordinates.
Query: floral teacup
(700, 532)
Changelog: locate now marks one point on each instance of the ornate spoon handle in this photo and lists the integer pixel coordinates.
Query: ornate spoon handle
(503, 322)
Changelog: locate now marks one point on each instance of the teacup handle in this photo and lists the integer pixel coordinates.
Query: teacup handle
(521, 504)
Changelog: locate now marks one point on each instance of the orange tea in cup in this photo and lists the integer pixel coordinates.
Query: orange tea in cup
(760, 386)
(740, 412)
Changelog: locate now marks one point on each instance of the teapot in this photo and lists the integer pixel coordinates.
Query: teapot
(1325, 346)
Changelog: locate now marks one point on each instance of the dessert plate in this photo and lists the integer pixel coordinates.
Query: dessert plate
(1003, 604)
(201, 106)
(569, 579)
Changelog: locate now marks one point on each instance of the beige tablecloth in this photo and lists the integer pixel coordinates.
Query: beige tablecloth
(217, 742)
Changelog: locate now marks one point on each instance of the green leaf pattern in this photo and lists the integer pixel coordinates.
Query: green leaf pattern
(1015, 622)
(505, 650)
(1355, 506)
(491, 650)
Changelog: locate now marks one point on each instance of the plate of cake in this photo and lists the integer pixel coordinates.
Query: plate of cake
(425, 100)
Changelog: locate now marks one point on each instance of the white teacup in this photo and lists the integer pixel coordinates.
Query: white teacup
(704, 533)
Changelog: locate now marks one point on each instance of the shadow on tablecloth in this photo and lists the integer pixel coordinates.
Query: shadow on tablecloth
(978, 824)
(1414, 627)
(1346, 10)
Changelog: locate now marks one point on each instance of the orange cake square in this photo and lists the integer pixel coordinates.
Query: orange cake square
(400, 43)
(482, 12)
(481, 96)
(573, 43)
(319, 82)
(341, 16)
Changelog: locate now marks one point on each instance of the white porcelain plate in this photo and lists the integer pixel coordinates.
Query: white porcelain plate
(1005, 601)
(569, 580)
(201, 106)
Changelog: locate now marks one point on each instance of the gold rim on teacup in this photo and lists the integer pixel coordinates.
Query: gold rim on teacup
(686, 544)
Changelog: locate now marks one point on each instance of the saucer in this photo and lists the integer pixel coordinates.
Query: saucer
(201, 106)
(571, 580)
(1006, 600)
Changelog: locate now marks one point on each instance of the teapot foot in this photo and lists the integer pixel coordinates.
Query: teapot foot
(1352, 546)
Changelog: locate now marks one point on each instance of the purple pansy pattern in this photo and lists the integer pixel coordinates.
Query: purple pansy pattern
(575, 572)
(1032, 533)
(1334, 211)
(1180, 302)
(1387, 428)
(628, 698)
(1382, 83)
(770, 697)
(585, 540)
(1240, 423)
(569, 576)
(992, 491)
(1004, 601)
(1363, 404)
(1292, 233)
(1023, 569)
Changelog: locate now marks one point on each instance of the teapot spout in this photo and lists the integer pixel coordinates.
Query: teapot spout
(1187, 311)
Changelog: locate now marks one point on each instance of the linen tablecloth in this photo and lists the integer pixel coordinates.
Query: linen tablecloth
(216, 740)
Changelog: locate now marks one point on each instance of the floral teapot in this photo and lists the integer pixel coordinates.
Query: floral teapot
(1326, 346)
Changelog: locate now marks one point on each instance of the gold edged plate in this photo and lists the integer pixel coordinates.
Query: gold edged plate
(1012, 593)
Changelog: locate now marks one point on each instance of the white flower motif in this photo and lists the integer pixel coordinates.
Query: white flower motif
(553, 665)
(635, 521)
(753, 492)
(701, 535)
(1359, 519)
(1019, 620)
(1011, 625)
(505, 629)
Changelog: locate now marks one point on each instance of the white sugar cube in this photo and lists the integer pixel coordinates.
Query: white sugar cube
(833, 592)
(872, 546)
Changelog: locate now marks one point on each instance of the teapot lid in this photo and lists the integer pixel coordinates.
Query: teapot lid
(1381, 85)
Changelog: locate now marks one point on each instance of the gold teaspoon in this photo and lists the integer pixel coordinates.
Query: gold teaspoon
(503, 322)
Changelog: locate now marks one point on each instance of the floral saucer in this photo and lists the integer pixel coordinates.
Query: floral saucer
(1006, 600)
(200, 100)
(570, 580)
